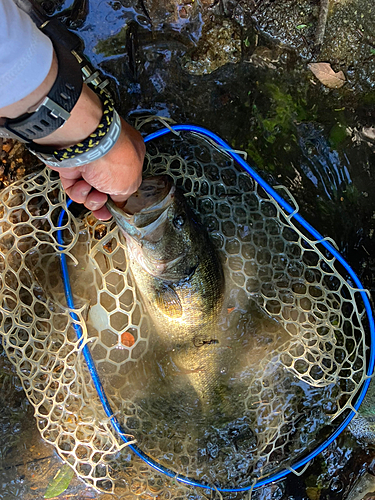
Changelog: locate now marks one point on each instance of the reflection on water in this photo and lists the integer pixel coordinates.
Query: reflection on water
(324, 167)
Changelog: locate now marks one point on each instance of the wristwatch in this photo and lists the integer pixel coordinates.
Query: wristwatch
(55, 109)
(73, 70)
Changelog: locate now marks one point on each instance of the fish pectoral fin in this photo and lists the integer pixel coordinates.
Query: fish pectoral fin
(167, 301)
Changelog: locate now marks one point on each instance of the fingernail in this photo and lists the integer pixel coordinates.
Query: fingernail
(85, 191)
(94, 205)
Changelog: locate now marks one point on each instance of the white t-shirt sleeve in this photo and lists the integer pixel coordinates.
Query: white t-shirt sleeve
(25, 54)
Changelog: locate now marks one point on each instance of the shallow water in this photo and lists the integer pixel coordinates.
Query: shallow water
(296, 135)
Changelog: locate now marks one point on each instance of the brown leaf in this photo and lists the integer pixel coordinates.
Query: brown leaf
(327, 76)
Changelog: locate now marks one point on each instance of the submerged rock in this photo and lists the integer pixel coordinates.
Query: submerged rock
(219, 44)
(348, 43)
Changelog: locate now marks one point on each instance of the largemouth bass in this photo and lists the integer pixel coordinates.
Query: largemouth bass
(180, 277)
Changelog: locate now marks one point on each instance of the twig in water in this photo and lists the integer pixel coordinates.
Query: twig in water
(322, 22)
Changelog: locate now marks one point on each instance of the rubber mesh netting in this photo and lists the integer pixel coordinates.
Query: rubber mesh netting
(292, 326)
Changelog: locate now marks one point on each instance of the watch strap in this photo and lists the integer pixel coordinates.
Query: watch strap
(103, 146)
(55, 109)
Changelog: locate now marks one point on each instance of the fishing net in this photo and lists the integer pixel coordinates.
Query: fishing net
(291, 335)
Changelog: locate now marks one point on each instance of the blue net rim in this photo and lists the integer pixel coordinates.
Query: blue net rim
(293, 214)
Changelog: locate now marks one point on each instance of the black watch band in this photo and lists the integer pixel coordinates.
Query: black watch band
(55, 109)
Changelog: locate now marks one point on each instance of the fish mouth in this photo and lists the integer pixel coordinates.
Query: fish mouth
(145, 212)
(143, 218)
(153, 195)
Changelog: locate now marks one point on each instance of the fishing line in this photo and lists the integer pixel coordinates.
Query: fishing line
(291, 211)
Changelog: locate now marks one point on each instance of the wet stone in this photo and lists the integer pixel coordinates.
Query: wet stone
(220, 44)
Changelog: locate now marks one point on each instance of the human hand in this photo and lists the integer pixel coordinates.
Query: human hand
(118, 174)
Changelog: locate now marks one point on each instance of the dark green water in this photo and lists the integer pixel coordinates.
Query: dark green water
(296, 134)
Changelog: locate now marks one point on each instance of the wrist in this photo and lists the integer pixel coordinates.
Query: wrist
(84, 119)
(50, 111)
(95, 145)
(89, 130)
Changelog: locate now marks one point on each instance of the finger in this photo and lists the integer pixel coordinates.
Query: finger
(120, 198)
(78, 191)
(68, 173)
(102, 213)
(95, 200)
(67, 183)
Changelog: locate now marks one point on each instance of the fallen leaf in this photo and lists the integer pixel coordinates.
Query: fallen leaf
(60, 482)
(327, 76)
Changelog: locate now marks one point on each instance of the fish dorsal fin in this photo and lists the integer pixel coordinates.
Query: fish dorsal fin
(167, 301)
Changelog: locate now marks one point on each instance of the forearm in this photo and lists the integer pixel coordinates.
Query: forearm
(25, 55)
(84, 118)
(117, 173)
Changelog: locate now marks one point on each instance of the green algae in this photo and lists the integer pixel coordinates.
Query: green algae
(276, 110)
(284, 111)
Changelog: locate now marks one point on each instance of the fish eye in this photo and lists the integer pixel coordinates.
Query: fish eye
(179, 220)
